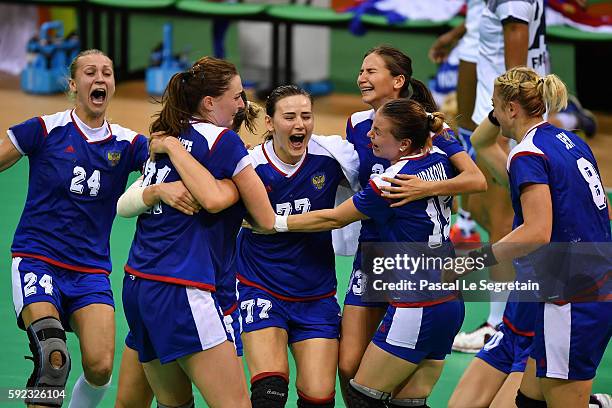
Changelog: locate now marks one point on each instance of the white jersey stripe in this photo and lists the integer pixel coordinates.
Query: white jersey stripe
(13, 139)
(405, 327)
(206, 317)
(557, 338)
(17, 292)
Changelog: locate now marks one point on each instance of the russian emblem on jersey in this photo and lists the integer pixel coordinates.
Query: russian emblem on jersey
(113, 158)
(318, 180)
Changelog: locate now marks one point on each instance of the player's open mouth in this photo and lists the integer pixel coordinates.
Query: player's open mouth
(366, 89)
(297, 141)
(98, 96)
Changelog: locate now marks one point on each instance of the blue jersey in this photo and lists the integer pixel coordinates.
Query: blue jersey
(357, 128)
(297, 265)
(74, 184)
(168, 245)
(223, 232)
(560, 159)
(422, 221)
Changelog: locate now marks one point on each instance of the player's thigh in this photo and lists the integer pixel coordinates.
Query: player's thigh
(169, 382)
(36, 311)
(421, 382)
(530, 384)
(507, 393)
(215, 372)
(478, 385)
(95, 326)
(133, 390)
(356, 331)
(383, 371)
(265, 350)
(316, 361)
(566, 393)
(466, 94)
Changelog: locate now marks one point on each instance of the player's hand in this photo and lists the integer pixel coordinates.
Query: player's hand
(161, 143)
(441, 48)
(406, 188)
(177, 196)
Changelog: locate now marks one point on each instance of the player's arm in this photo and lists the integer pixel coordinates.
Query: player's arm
(320, 220)
(443, 45)
(407, 187)
(536, 229)
(516, 42)
(9, 154)
(255, 199)
(138, 199)
(484, 140)
(212, 194)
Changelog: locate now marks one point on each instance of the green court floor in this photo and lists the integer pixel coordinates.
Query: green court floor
(14, 369)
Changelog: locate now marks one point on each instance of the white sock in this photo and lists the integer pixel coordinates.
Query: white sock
(497, 306)
(86, 395)
(567, 120)
(465, 222)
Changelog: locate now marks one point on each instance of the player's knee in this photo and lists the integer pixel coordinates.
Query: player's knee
(408, 402)
(359, 396)
(99, 372)
(189, 404)
(50, 355)
(309, 401)
(348, 364)
(523, 401)
(269, 390)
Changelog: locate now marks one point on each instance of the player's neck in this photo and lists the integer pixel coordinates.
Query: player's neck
(92, 121)
(526, 125)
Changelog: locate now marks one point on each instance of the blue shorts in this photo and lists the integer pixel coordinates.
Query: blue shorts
(570, 340)
(169, 321)
(464, 136)
(506, 351)
(355, 287)
(233, 326)
(38, 281)
(415, 334)
(311, 319)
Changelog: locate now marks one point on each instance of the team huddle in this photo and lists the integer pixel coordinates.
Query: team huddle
(232, 257)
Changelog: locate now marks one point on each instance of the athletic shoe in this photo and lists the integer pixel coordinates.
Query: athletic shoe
(463, 242)
(472, 342)
(587, 122)
(600, 401)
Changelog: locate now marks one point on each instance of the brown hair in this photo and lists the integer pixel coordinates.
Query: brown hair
(246, 115)
(534, 94)
(411, 121)
(181, 100)
(399, 63)
(279, 93)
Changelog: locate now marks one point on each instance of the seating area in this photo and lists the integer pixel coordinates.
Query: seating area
(118, 12)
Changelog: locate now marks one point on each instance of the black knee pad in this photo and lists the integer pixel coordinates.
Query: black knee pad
(408, 402)
(47, 336)
(190, 404)
(358, 396)
(523, 401)
(304, 401)
(269, 391)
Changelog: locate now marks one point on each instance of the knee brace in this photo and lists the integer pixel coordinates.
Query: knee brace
(360, 396)
(190, 404)
(304, 401)
(51, 359)
(408, 402)
(269, 390)
(523, 401)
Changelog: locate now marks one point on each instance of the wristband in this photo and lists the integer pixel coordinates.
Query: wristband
(486, 254)
(493, 119)
(280, 223)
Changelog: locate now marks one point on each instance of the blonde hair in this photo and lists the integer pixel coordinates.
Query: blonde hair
(535, 94)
